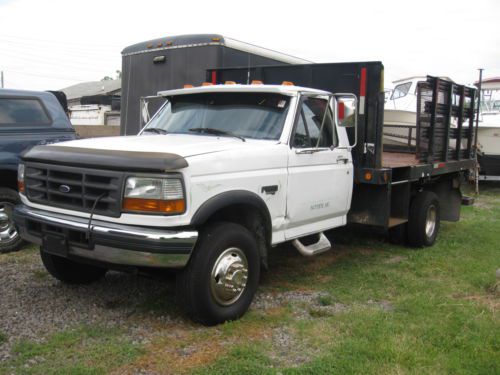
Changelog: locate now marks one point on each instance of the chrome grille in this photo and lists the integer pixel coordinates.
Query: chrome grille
(74, 188)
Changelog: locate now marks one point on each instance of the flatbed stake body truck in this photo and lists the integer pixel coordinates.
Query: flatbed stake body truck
(224, 172)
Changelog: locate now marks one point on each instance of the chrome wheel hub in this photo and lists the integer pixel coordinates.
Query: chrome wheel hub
(229, 276)
(430, 222)
(8, 232)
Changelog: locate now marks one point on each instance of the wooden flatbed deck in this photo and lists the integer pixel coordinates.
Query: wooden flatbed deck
(398, 159)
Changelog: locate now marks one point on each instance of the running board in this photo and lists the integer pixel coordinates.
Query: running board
(314, 249)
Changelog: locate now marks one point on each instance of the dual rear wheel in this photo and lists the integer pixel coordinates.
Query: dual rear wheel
(423, 223)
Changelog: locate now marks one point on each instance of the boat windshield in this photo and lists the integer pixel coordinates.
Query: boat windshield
(490, 100)
(242, 115)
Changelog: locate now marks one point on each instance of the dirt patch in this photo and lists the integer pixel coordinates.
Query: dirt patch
(288, 350)
(310, 304)
(487, 201)
(491, 299)
(175, 351)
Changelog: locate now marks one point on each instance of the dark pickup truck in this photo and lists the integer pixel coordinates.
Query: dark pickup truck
(27, 118)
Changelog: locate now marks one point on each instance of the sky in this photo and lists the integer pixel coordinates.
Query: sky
(52, 44)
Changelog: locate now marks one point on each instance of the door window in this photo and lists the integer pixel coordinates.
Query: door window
(315, 126)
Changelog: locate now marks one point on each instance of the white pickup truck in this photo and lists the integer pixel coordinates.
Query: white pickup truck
(219, 176)
(224, 172)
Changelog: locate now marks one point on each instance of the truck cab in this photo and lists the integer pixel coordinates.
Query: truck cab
(219, 176)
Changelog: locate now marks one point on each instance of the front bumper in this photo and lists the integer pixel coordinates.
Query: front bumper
(128, 245)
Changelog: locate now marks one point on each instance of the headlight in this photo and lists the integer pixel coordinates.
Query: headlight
(20, 178)
(149, 194)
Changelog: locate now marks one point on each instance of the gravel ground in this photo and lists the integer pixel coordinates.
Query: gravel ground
(33, 305)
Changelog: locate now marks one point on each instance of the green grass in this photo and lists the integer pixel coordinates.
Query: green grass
(83, 350)
(403, 311)
(444, 315)
(3, 337)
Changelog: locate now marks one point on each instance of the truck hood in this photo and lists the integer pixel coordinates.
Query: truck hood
(184, 145)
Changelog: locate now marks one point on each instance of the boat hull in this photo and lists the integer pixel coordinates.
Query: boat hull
(488, 139)
(489, 164)
(400, 127)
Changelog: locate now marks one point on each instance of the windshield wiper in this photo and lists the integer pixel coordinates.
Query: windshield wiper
(155, 130)
(216, 132)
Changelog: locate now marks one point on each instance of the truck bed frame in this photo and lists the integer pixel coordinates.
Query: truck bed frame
(386, 178)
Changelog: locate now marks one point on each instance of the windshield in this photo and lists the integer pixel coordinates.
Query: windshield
(490, 100)
(248, 115)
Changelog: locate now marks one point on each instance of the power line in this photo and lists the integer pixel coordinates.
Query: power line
(64, 52)
(49, 77)
(59, 41)
(75, 66)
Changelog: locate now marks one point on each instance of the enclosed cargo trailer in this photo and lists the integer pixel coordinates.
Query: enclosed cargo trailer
(170, 62)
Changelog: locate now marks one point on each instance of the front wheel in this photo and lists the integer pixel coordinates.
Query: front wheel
(222, 276)
(424, 219)
(10, 240)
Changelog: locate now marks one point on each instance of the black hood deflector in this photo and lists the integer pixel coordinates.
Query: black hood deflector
(106, 159)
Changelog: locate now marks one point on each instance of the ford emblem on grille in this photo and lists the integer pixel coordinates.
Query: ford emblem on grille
(64, 188)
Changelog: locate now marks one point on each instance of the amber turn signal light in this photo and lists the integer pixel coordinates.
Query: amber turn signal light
(176, 206)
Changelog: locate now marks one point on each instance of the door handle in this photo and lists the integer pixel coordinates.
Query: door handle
(342, 159)
(271, 189)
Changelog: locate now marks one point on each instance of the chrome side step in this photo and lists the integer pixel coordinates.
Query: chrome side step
(314, 249)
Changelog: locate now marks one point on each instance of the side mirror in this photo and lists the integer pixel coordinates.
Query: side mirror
(347, 113)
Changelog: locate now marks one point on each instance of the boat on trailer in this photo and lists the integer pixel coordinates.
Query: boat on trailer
(400, 112)
(488, 137)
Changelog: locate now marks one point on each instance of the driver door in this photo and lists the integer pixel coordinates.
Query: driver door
(320, 173)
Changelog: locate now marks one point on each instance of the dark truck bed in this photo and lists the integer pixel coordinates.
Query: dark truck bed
(387, 178)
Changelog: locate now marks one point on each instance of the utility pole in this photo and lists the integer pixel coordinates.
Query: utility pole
(1, 79)
(477, 125)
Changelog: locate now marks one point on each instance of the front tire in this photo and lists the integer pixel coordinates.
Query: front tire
(71, 272)
(10, 240)
(424, 220)
(222, 276)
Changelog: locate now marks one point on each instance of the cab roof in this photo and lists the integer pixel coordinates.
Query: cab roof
(277, 89)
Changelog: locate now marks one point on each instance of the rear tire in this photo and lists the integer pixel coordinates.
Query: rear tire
(10, 240)
(424, 219)
(221, 278)
(71, 272)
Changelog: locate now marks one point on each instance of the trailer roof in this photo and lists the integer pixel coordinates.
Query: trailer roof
(197, 40)
(278, 89)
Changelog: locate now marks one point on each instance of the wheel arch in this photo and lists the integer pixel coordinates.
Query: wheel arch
(242, 207)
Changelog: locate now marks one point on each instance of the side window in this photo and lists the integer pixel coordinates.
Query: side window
(301, 138)
(22, 111)
(401, 90)
(311, 130)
